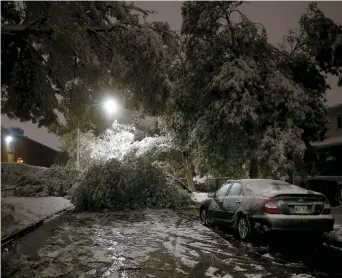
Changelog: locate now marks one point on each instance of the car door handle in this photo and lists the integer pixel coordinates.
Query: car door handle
(238, 202)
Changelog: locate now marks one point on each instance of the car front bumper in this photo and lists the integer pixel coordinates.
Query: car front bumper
(280, 222)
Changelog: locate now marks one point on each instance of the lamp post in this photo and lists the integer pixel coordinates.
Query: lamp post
(9, 139)
(110, 106)
(10, 149)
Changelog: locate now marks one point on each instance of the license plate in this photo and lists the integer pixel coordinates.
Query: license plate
(301, 209)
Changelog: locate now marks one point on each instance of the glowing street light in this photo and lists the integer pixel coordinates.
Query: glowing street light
(9, 139)
(111, 106)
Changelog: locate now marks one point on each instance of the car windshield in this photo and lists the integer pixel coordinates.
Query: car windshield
(259, 186)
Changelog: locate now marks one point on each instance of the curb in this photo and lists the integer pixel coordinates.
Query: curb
(332, 242)
(18, 234)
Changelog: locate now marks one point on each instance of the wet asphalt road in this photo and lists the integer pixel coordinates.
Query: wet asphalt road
(157, 243)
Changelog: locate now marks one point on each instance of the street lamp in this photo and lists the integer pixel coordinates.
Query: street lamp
(9, 139)
(110, 106)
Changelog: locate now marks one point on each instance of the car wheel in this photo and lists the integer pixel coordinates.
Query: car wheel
(204, 217)
(243, 228)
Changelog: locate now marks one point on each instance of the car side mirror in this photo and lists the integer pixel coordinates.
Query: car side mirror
(211, 194)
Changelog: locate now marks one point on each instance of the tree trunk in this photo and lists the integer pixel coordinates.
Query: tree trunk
(188, 174)
(253, 169)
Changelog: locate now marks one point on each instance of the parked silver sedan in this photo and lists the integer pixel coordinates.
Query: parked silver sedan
(252, 205)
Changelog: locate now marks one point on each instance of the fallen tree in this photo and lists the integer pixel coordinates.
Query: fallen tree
(132, 183)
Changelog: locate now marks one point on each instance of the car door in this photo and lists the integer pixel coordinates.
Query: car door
(234, 201)
(216, 205)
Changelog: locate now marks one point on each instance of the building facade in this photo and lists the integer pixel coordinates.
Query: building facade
(335, 122)
(331, 147)
(328, 177)
(16, 147)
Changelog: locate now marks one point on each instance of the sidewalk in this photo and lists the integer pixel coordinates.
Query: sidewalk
(335, 237)
(27, 211)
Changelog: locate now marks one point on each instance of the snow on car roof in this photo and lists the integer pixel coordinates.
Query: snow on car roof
(264, 181)
(261, 186)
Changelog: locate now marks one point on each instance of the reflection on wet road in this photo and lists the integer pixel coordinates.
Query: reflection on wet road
(157, 243)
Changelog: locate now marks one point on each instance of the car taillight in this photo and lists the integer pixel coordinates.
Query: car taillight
(271, 207)
(326, 209)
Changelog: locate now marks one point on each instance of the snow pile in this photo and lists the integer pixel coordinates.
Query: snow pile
(28, 211)
(335, 235)
(199, 197)
(199, 179)
(38, 181)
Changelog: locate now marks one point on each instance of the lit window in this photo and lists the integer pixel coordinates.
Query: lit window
(19, 160)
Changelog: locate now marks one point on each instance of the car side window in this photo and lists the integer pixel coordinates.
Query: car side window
(222, 191)
(235, 190)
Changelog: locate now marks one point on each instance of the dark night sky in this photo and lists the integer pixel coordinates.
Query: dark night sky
(277, 17)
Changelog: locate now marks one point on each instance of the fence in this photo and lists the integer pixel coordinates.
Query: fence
(7, 191)
(214, 183)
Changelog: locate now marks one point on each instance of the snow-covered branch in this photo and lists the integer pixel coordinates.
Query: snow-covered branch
(119, 141)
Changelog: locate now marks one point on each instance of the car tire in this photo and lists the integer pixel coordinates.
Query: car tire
(204, 217)
(244, 229)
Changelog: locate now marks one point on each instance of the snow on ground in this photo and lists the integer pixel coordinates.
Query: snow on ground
(336, 234)
(302, 276)
(30, 210)
(139, 244)
(253, 275)
(156, 243)
(211, 273)
(199, 197)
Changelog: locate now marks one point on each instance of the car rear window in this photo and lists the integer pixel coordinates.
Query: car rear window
(260, 186)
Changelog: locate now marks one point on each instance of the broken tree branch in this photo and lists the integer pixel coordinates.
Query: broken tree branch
(26, 28)
(135, 8)
(246, 18)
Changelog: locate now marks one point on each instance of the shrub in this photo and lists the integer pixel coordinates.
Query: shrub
(54, 181)
(38, 181)
(132, 183)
